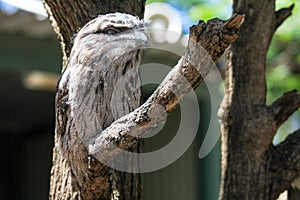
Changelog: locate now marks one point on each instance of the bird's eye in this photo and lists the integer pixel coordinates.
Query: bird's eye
(111, 30)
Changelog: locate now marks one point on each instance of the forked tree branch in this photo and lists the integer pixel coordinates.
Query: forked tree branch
(285, 162)
(282, 15)
(285, 106)
(207, 43)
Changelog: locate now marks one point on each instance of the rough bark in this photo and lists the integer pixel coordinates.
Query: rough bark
(67, 18)
(206, 45)
(79, 175)
(252, 168)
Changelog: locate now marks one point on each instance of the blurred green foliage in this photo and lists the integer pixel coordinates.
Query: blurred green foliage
(283, 60)
(283, 63)
(201, 9)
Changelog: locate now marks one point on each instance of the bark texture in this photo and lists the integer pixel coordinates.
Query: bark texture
(89, 178)
(252, 168)
(207, 43)
(76, 173)
(67, 18)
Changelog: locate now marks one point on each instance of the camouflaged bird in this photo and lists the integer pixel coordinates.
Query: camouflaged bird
(89, 98)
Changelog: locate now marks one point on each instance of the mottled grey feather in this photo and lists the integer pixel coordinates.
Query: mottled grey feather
(100, 48)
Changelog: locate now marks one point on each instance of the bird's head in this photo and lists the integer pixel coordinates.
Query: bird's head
(111, 36)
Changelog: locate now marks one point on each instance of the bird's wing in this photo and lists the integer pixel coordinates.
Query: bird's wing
(83, 104)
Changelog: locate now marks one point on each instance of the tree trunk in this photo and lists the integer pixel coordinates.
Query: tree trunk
(67, 17)
(76, 172)
(252, 168)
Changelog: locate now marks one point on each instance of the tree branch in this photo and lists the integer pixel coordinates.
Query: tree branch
(283, 14)
(285, 106)
(207, 43)
(285, 162)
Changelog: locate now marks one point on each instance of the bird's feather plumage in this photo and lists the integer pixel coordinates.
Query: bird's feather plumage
(97, 87)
